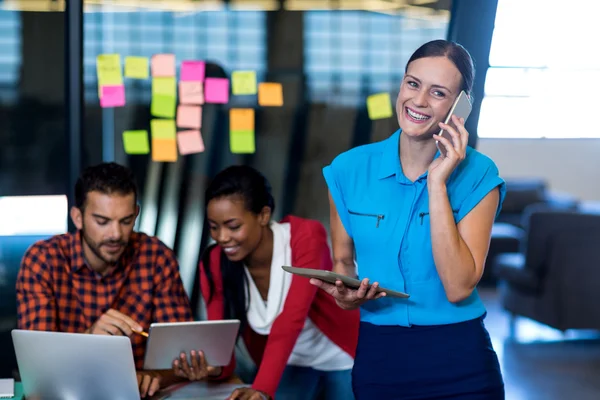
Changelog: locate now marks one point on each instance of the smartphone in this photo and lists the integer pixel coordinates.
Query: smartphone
(461, 108)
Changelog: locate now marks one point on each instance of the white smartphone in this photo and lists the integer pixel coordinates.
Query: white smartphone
(461, 108)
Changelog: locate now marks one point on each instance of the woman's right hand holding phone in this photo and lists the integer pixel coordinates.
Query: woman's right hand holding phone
(195, 370)
(348, 298)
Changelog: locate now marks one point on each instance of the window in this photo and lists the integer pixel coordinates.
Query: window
(544, 73)
(350, 54)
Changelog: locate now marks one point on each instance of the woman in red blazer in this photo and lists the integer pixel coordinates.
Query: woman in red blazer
(301, 341)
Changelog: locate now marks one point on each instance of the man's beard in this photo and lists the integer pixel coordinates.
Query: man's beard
(95, 247)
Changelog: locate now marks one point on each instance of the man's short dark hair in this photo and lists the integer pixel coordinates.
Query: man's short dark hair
(107, 178)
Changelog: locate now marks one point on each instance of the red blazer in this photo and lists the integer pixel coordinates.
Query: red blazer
(309, 250)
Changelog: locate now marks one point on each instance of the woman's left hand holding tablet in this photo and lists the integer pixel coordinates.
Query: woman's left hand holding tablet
(195, 370)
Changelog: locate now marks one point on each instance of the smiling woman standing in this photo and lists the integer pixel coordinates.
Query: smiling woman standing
(418, 222)
(302, 343)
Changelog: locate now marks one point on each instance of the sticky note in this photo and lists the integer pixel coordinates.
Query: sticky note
(112, 96)
(270, 94)
(163, 106)
(164, 86)
(136, 67)
(242, 142)
(216, 90)
(190, 142)
(379, 106)
(191, 93)
(163, 65)
(164, 150)
(241, 119)
(189, 117)
(243, 82)
(163, 129)
(108, 68)
(136, 142)
(192, 71)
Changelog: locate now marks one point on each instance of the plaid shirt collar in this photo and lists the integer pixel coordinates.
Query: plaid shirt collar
(78, 258)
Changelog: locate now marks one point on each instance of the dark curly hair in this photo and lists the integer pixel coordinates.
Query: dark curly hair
(107, 178)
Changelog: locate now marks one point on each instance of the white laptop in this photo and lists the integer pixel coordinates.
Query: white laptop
(56, 365)
(169, 339)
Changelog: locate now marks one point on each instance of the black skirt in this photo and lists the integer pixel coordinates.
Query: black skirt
(454, 361)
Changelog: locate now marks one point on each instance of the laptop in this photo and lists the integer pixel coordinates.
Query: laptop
(169, 339)
(57, 365)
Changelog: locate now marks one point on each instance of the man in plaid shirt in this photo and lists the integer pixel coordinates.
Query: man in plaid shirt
(104, 279)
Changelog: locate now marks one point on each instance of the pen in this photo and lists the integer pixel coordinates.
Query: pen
(141, 333)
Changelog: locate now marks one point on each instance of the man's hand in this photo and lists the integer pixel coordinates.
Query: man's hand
(114, 323)
(148, 382)
(197, 370)
(248, 394)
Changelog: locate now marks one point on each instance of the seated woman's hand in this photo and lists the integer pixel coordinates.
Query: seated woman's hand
(248, 394)
(348, 298)
(197, 369)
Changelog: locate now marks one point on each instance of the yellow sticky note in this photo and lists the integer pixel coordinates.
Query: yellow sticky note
(189, 117)
(270, 94)
(164, 86)
(379, 106)
(136, 142)
(164, 150)
(242, 142)
(108, 68)
(243, 82)
(163, 129)
(163, 106)
(241, 119)
(136, 67)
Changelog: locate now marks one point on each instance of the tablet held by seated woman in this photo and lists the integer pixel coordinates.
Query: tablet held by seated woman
(301, 341)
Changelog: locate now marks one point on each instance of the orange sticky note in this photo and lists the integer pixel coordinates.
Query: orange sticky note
(241, 119)
(190, 142)
(191, 93)
(189, 117)
(164, 150)
(163, 65)
(270, 94)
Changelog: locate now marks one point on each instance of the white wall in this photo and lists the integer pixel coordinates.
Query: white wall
(568, 165)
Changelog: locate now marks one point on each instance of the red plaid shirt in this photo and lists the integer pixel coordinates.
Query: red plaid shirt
(57, 291)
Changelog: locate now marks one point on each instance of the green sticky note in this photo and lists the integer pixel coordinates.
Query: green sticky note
(163, 106)
(108, 68)
(243, 82)
(379, 106)
(163, 128)
(136, 142)
(165, 86)
(242, 142)
(136, 67)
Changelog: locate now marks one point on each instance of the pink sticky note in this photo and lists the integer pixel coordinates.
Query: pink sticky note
(191, 93)
(189, 117)
(112, 96)
(192, 71)
(216, 90)
(190, 142)
(163, 65)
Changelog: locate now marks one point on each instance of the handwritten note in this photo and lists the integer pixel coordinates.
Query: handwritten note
(191, 93)
(241, 119)
(163, 129)
(164, 150)
(163, 65)
(136, 142)
(108, 68)
(216, 90)
(243, 82)
(136, 67)
(189, 116)
(163, 106)
(190, 142)
(164, 86)
(192, 71)
(270, 94)
(379, 106)
(112, 96)
(242, 142)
